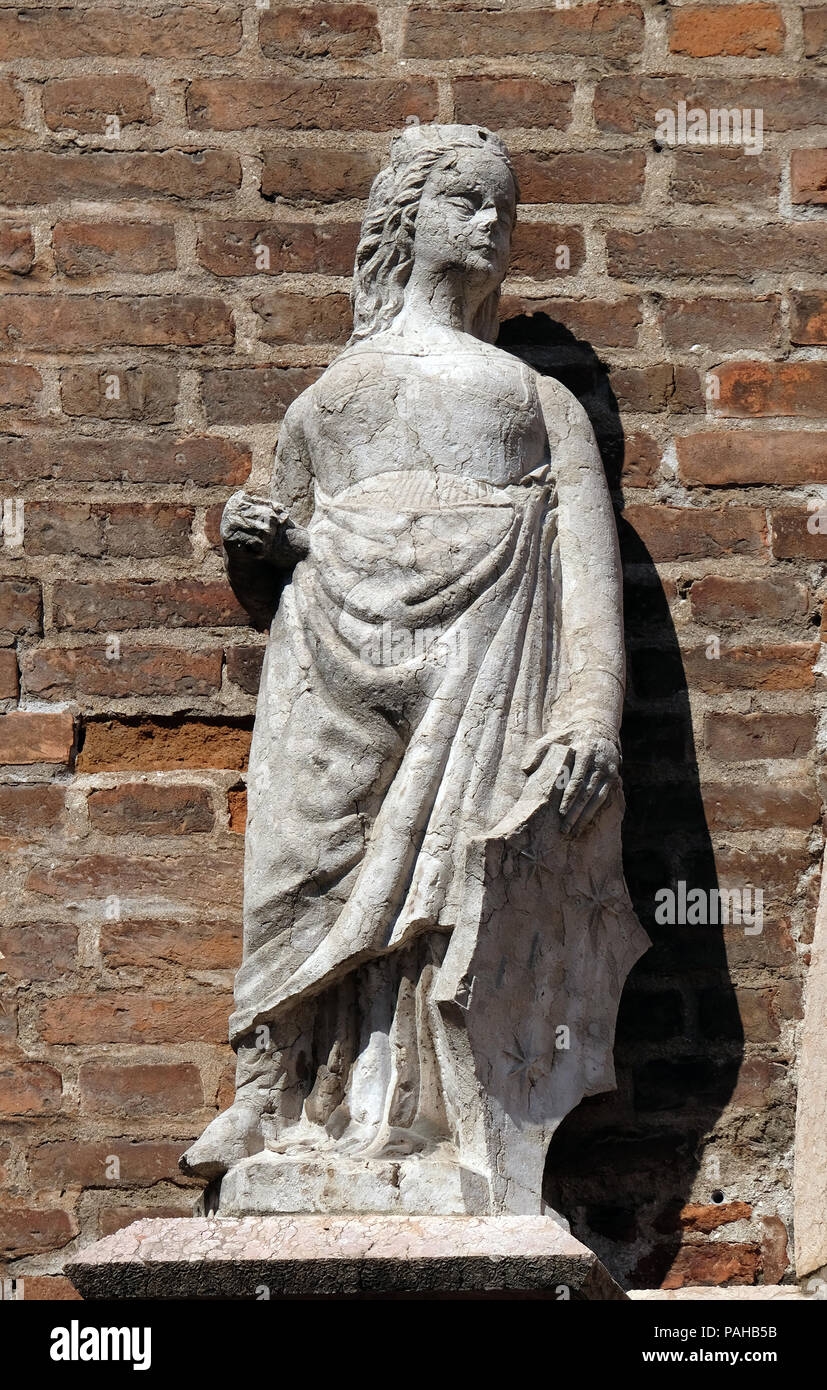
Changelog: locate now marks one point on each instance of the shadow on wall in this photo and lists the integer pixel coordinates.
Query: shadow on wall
(623, 1164)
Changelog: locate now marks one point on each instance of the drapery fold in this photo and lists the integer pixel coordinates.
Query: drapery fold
(417, 642)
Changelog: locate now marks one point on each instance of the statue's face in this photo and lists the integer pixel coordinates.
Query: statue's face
(465, 217)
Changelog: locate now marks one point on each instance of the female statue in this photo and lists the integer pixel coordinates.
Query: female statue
(436, 925)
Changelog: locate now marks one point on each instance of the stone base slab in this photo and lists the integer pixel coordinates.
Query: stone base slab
(342, 1257)
(742, 1293)
(270, 1183)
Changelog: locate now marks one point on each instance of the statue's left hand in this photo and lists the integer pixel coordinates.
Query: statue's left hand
(595, 774)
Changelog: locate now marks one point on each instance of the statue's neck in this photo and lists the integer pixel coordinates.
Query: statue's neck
(437, 302)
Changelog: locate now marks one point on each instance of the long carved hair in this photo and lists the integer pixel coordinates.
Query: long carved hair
(385, 254)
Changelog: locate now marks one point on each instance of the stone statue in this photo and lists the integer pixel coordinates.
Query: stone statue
(436, 924)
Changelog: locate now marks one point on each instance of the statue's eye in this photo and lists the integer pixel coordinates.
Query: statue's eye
(464, 204)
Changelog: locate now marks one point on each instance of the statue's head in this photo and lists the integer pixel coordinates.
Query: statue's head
(447, 202)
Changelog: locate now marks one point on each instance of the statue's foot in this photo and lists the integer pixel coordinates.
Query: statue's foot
(231, 1136)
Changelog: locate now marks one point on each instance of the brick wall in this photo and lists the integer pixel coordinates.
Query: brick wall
(181, 189)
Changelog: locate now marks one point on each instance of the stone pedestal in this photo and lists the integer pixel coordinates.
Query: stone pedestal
(343, 1257)
(271, 1183)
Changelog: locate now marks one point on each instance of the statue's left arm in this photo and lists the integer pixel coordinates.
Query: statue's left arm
(591, 607)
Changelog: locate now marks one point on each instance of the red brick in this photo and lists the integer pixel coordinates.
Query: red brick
(30, 176)
(739, 253)
(30, 808)
(113, 746)
(781, 869)
(49, 1288)
(20, 607)
(720, 322)
(610, 31)
(722, 599)
(735, 457)
(306, 103)
(237, 809)
(33, 1231)
(230, 248)
(678, 533)
(159, 460)
(143, 1089)
(734, 738)
(724, 177)
(78, 1019)
(715, 1264)
(16, 248)
(244, 667)
(695, 1216)
(19, 385)
(641, 460)
(36, 738)
(656, 389)
(115, 605)
(140, 809)
(139, 529)
(808, 176)
(536, 248)
(9, 684)
(603, 323)
(29, 1088)
(792, 536)
(313, 174)
(773, 947)
(11, 108)
(97, 248)
(748, 389)
(252, 395)
(199, 945)
(753, 667)
(85, 103)
(67, 672)
(808, 318)
(508, 102)
(147, 394)
(39, 951)
(74, 1163)
(815, 32)
(300, 318)
(727, 31)
(112, 1219)
(212, 525)
(78, 322)
(593, 176)
(760, 1010)
(766, 806)
(181, 32)
(628, 105)
(320, 30)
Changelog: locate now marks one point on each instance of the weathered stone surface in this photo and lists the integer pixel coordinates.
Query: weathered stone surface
(436, 925)
(741, 1293)
(810, 1175)
(345, 1257)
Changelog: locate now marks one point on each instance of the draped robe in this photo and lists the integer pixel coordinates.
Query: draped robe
(415, 658)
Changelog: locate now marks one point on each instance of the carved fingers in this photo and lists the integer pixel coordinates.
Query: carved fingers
(595, 774)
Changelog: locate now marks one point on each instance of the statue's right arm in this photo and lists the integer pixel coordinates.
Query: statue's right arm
(263, 540)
